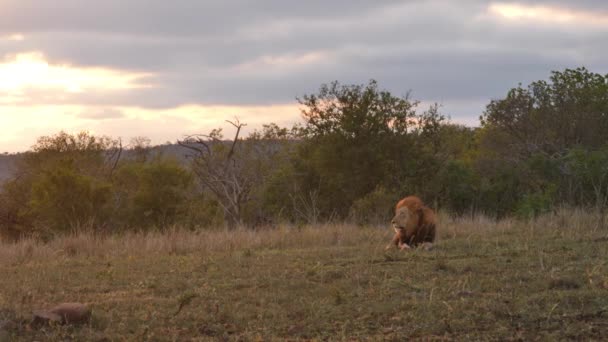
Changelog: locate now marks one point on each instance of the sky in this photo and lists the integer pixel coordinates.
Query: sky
(164, 69)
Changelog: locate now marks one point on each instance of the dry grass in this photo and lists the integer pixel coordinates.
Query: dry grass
(178, 241)
(486, 279)
(573, 222)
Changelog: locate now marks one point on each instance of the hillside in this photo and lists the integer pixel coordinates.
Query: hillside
(485, 280)
(7, 161)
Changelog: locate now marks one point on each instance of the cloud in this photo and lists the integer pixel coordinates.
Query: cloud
(15, 37)
(162, 55)
(548, 14)
(101, 114)
(28, 78)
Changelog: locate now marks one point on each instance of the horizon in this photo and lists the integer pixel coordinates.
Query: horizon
(160, 70)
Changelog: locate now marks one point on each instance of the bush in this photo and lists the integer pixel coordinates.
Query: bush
(153, 194)
(375, 208)
(536, 203)
(457, 182)
(64, 200)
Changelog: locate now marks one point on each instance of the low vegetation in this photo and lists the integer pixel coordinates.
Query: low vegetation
(357, 151)
(545, 278)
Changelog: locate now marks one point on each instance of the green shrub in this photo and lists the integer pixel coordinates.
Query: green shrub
(62, 199)
(152, 194)
(535, 203)
(374, 208)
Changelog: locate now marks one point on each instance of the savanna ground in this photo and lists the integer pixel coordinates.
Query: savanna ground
(545, 279)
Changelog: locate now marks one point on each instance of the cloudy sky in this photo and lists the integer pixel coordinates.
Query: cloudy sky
(163, 69)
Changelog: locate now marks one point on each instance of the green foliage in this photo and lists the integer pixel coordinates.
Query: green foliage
(375, 208)
(587, 174)
(276, 194)
(356, 138)
(356, 111)
(548, 117)
(199, 211)
(63, 200)
(63, 184)
(71, 182)
(459, 187)
(534, 204)
(14, 221)
(551, 135)
(152, 194)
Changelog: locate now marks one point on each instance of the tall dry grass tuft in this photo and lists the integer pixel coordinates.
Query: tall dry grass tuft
(181, 241)
(563, 222)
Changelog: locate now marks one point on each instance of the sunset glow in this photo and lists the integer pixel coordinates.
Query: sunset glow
(515, 11)
(15, 37)
(26, 72)
(160, 125)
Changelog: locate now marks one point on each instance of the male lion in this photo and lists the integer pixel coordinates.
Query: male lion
(414, 224)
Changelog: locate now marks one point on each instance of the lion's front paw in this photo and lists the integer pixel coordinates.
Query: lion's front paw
(427, 246)
(404, 246)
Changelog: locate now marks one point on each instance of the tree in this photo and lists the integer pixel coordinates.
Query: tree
(141, 148)
(63, 199)
(357, 138)
(550, 117)
(232, 170)
(62, 184)
(587, 172)
(152, 193)
(356, 112)
(538, 132)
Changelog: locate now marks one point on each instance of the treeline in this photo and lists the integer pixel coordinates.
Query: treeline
(357, 151)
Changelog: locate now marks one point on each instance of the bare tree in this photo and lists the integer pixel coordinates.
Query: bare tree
(221, 170)
(306, 206)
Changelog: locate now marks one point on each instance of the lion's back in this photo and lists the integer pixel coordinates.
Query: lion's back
(428, 225)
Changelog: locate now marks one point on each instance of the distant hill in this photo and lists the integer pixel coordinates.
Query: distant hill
(7, 162)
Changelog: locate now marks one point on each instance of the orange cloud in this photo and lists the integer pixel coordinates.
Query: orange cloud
(15, 37)
(516, 11)
(26, 75)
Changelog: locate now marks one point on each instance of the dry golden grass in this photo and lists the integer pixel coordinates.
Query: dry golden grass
(486, 279)
(179, 241)
(573, 222)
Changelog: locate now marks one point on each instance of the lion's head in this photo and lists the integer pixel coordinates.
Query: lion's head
(404, 218)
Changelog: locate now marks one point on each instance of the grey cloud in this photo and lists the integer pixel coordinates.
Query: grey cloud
(160, 17)
(573, 4)
(444, 51)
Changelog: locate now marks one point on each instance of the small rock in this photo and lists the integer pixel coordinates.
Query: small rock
(66, 313)
(73, 312)
(41, 317)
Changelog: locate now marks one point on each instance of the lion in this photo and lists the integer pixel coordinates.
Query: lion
(414, 224)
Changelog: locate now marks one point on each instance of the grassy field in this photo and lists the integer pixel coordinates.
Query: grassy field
(485, 280)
